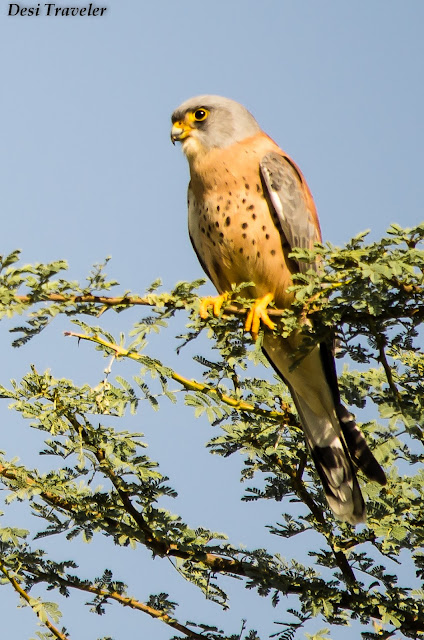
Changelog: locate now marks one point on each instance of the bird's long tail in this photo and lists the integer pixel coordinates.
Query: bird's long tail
(336, 443)
(359, 450)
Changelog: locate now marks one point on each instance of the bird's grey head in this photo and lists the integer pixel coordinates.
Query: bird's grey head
(206, 122)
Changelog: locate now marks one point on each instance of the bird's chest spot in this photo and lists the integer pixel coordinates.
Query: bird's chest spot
(234, 234)
(226, 220)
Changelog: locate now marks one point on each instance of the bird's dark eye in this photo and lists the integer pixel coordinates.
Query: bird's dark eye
(200, 114)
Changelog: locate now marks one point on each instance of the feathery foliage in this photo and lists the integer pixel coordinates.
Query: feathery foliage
(100, 479)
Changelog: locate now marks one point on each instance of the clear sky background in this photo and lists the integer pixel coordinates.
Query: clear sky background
(87, 170)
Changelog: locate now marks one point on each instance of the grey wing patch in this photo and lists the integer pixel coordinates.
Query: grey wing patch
(283, 187)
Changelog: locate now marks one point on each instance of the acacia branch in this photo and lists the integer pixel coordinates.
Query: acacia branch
(352, 600)
(122, 600)
(121, 488)
(311, 308)
(382, 358)
(190, 385)
(162, 547)
(109, 301)
(216, 563)
(56, 501)
(30, 601)
(240, 405)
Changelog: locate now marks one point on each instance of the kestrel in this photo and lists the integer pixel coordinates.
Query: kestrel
(248, 207)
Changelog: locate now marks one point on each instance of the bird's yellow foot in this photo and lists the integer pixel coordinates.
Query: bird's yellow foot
(258, 314)
(215, 302)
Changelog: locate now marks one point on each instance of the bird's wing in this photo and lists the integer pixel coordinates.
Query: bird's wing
(295, 214)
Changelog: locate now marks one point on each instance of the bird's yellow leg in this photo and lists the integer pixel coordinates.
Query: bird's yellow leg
(215, 302)
(258, 314)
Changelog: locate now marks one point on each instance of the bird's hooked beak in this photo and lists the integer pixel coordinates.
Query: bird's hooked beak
(180, 131)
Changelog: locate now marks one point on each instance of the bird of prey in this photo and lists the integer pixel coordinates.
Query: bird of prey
(248, 207)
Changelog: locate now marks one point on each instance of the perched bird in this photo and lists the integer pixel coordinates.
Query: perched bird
(248, 207)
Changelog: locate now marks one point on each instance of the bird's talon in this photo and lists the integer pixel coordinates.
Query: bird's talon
(215, 302)
(258, 314)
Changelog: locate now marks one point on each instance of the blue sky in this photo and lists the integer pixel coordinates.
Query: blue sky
(87, 170)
